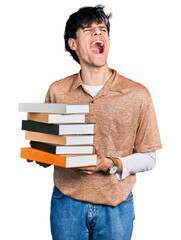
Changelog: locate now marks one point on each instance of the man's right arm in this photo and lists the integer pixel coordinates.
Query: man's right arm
(45, 165)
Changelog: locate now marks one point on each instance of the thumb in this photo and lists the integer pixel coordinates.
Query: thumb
(97, 151)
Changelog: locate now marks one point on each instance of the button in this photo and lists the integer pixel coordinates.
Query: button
(92, 101)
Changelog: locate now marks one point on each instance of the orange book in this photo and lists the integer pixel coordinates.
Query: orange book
(60, 140)
(56, 118)
(66, 161)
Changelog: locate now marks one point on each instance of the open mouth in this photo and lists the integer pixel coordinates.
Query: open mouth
(97, 47)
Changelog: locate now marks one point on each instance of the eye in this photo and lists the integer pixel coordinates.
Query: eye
(86, 29)
(103, 29)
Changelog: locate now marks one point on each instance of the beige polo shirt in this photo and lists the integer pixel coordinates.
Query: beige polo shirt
(125, 123)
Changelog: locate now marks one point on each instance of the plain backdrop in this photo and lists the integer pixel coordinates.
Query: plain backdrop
(145, 46)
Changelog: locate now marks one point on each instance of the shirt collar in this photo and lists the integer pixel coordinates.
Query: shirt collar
(77, 82)
(114, 83)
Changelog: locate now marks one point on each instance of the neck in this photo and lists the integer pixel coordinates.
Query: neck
(95, 76)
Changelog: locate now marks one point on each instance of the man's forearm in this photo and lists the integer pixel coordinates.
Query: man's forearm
(134, 163)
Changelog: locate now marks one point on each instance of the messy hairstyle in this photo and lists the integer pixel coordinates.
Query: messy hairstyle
(84, 17)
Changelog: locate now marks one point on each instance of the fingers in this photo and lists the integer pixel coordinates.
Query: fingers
(29, 160)
(97, 151)
(86, 170)
(45, 165)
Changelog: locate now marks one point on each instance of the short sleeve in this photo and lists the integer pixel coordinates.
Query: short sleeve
(147, 136)
(50, 96)
(53, 93)
(47, 97)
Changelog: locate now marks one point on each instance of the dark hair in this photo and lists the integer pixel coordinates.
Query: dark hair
(84, 17)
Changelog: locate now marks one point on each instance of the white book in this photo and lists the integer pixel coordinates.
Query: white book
(67, 129)
(74, 150)
(80, 140)
(88, 160)
(53, 108)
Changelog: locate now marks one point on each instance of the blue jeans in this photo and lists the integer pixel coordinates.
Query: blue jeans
(76, 220)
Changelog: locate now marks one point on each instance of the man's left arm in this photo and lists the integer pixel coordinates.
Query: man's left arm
(131, 164)
(135, 163)
(146, 142)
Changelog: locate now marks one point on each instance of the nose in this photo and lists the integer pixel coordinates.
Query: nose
(96, 31)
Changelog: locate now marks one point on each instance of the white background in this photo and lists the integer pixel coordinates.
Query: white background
(145, 46)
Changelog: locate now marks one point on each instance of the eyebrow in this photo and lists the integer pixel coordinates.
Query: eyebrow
(102, 27)
(86, 27)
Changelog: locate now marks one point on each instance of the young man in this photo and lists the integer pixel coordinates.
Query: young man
(96, 202)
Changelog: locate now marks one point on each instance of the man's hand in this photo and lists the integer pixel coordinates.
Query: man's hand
(103, 164)
(45, 165)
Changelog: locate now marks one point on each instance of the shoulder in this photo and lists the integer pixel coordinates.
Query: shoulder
(63, 84)
(136, 89)
(58, 90)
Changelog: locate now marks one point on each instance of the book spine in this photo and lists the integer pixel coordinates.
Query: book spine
(42, 107)
(43, 146)
(44, 157)
(40, 127)
(38, 117)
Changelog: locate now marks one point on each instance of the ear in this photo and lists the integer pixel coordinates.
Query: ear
(72, 44)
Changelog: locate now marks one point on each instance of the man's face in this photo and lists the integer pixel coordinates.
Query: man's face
(91, 45)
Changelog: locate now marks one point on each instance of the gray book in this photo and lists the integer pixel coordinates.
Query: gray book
(53, 108)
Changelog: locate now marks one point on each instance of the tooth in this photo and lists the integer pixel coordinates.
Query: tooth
(97, 42)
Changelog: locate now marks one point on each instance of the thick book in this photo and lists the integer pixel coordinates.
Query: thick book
(60, 140)
(66, 161)
(53, 108)
(56, 118)
(56, 149)
(58, 129)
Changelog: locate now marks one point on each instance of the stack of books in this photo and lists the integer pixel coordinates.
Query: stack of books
(58, 134)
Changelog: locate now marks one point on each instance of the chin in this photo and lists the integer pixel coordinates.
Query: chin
(100, 63)
(94, 61)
